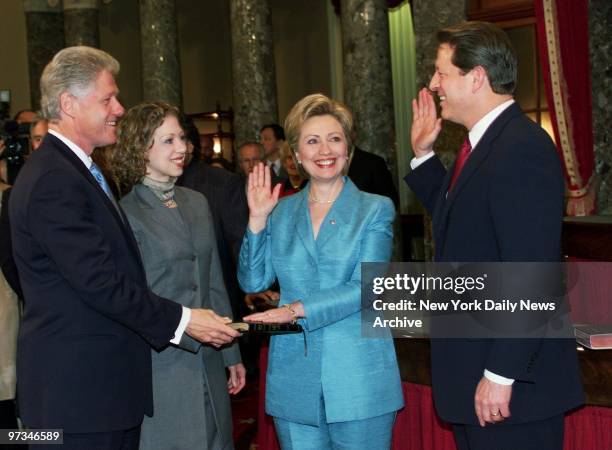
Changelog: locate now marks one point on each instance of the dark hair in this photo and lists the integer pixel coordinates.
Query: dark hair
(279, 132)
(483, 44)
(20, 112)
(222, 162)
(193, 135)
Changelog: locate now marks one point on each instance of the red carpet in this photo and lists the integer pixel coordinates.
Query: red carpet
(244, 413)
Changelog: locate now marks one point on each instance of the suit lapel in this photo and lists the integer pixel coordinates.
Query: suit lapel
(339, 214)
(80, 167)
(188, 213)
(303, 225)
(478, 156)
(115, 210)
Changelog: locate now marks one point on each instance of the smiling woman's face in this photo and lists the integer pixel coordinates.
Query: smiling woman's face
(166, 157)
(322, 148)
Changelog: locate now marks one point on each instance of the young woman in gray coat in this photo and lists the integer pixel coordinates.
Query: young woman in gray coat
(174, 230)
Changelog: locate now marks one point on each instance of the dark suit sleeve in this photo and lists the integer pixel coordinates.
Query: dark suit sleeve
(527, 209)
(383, 181)
(7, 262)
(235, 217)
(59, 214)
(426, 181)
(219, 300)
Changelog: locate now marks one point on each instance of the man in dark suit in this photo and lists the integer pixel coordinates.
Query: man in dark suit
(502, 200)
(370, 174)
(84, 361)
(272, 137)
(225, 192)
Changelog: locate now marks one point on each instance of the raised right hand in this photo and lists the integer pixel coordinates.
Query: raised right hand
(209, 328)
(261, 198)
(426, 124)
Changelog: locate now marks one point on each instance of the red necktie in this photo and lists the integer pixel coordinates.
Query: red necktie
(462, 157)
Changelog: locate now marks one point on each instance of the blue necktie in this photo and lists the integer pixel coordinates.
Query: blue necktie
(97, 174)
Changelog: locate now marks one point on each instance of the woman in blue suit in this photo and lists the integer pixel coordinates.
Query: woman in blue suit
(331, 388)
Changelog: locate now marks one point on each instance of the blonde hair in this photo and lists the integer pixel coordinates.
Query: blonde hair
(74, 70)
(317, 105)
(134, 137)
(285, 151)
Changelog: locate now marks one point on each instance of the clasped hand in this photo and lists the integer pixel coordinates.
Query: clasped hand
(209, 328)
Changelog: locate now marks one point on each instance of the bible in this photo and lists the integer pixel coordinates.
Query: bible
(266, 328)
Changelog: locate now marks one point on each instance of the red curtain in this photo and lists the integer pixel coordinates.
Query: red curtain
(589, 284)
(563, 40)
(417, 427)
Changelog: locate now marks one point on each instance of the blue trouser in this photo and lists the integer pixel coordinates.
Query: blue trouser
(367, 434)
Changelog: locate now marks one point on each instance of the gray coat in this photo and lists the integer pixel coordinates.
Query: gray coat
(180, 257)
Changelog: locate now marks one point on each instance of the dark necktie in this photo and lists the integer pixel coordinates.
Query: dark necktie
(97, 174)
(462, 157)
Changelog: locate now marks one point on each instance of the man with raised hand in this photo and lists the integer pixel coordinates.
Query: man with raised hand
(502, 200)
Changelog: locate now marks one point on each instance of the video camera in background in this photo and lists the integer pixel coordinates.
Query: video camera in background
(16, 146)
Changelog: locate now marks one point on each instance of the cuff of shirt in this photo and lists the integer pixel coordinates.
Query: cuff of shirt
(416, 162)
(180, 330)
(498, 378)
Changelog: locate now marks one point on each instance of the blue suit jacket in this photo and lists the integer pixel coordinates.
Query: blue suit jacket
(357, 377)
(507, 205)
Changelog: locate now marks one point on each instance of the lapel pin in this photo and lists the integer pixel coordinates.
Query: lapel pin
(332, 221)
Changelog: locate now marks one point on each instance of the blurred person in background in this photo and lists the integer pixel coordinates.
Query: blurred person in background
(249, 154)
(295, 182)
(272, 137)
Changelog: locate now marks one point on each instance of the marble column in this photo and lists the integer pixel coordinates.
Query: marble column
(600, 37)
(81, 23)
(368, 90)
(161, 69)
(45, 37)
(428, 17)
(254, 78)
